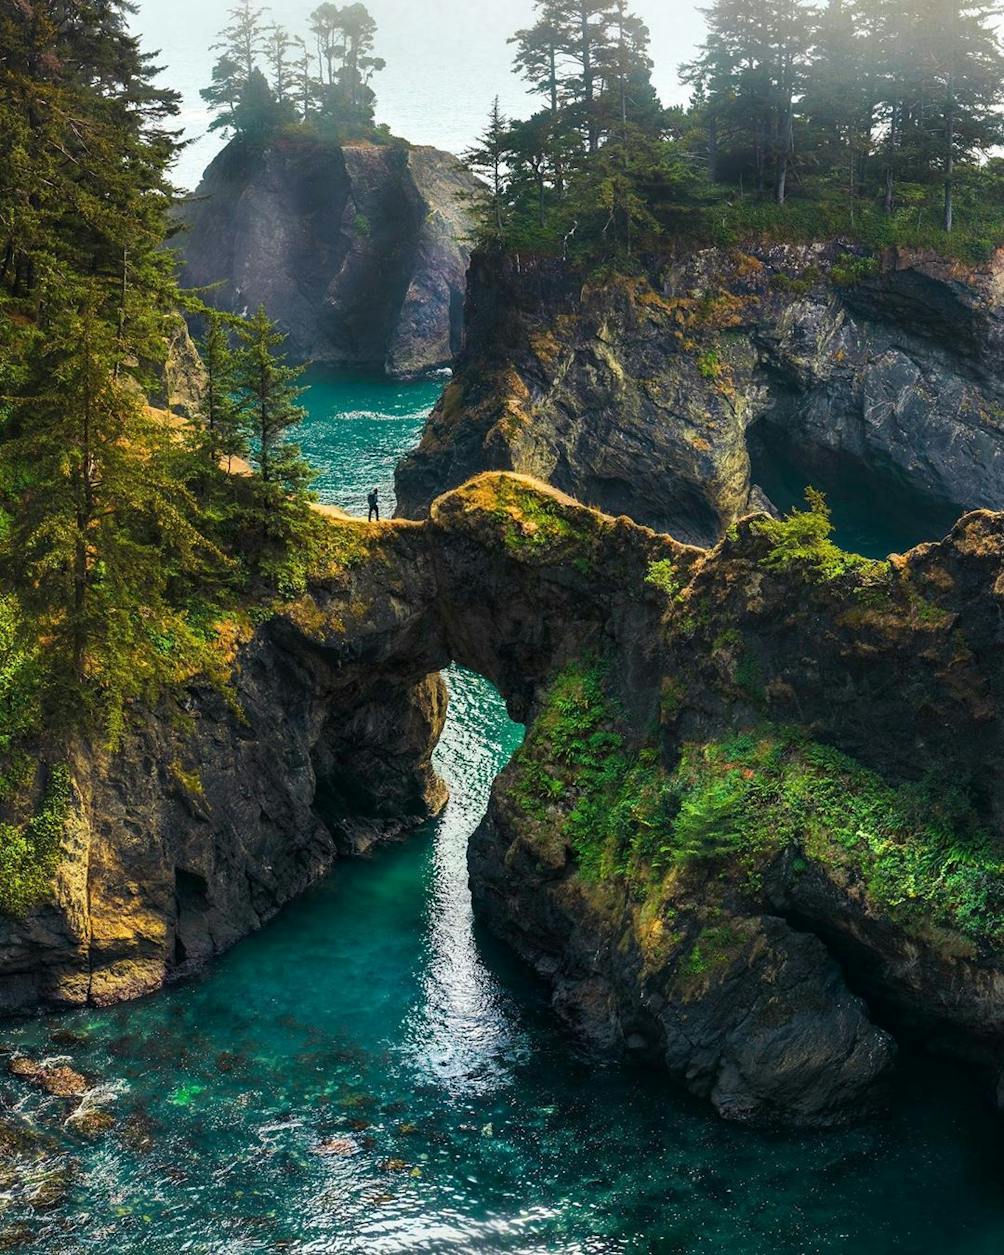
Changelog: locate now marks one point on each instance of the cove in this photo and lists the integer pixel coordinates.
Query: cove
(372, 1013)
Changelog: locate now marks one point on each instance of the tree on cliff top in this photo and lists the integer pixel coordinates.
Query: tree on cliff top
(267, 390)
(106, 555)
(98, 527)
(339, 97)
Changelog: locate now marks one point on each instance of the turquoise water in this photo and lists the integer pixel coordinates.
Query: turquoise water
(372, 1015)
(358, 428)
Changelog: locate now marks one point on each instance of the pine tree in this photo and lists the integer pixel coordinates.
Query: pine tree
(221, 422)
(792, 31)
(268, 390)
(586, 41)
(278, 50)
(358, 31)
(307, 87)
(223, 94)
(839, 101)
(964, 69)
(488, 158)
(750, 71)
(245, 38)
(99, 525)
(538, 50)
(325, 26)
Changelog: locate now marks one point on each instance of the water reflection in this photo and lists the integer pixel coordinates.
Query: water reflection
(465, 1031)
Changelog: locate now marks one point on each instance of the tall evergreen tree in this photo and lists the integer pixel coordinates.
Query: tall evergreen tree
(99, 525)
(488, 158)
(223, 95)
(964, 73)
(538, 50)
(358, 31)
(268, 390)
(221, 423)
(245, 38)
(586, 41)
(278, 53)
(838, 104)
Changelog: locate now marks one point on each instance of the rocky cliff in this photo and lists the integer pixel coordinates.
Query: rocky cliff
(643, 396)
(729, 843)
(358, 251)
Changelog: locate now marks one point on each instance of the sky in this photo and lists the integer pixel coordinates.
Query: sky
(446, 60)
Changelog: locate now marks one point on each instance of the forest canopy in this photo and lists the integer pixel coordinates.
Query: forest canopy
(875, 118)
(123, 539)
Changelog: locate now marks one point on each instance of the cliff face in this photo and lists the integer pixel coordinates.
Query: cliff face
(359, 252)
(639, 396)
(674, 697)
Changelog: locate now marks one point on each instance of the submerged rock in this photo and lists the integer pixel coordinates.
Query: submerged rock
(343, 1147)
(57, 1079)
(91, 1123)
(358, 251)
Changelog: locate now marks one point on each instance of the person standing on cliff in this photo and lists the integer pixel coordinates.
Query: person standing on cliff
(374, 504)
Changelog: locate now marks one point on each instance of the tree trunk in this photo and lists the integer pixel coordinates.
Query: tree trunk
(890, 173)
(587, 80)
(713, 149)
(784, 154)
(950, 159)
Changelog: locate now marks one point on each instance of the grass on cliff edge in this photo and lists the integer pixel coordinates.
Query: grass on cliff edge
(742, 801)
(533, 522)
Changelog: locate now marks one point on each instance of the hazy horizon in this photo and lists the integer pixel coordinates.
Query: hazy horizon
(446, 60)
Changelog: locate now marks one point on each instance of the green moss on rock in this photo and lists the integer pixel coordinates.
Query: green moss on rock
(741, 802)
(802, 543)
(29, 851)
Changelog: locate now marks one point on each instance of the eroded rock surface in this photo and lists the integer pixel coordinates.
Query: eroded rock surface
(359, 252)
(637, 395)
(792, 677)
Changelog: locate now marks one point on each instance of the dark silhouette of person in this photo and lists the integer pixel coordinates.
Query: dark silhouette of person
(374, 504)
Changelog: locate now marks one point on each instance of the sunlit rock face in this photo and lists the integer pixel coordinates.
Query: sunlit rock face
(732, 965)
(640, 396)
(359, 252)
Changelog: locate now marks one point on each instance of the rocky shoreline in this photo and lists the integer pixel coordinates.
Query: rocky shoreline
(739, 965)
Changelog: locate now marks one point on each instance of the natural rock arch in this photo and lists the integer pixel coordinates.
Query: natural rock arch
(339, 707)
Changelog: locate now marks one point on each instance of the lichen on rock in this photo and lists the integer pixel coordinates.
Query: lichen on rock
(645, 396)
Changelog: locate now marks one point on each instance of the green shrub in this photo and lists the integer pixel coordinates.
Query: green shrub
(662, 575)
(854, 270)
(802, 543)
(919, 852)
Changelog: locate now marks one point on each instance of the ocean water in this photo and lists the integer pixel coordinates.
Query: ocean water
(373, 1020)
